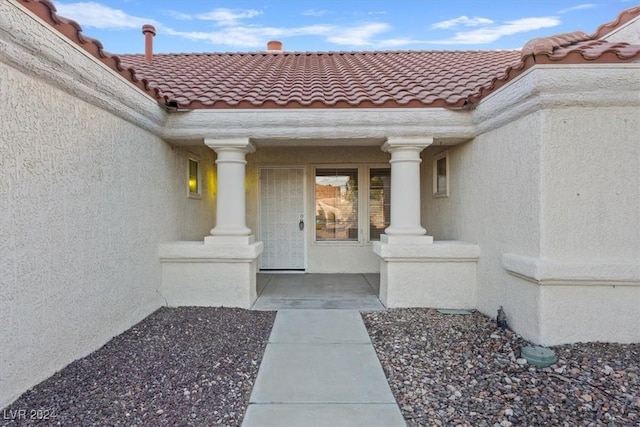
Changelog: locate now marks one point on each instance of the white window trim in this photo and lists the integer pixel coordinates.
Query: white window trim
(363, 169)
(194, 195)
(439, 156)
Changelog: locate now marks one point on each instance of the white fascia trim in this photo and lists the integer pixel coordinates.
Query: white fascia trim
(550, 272)
(35, 48)
(547, 86)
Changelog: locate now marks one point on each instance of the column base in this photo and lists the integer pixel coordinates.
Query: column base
(211, 275)
(437, 275)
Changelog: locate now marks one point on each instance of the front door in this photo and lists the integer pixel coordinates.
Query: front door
(282, 221)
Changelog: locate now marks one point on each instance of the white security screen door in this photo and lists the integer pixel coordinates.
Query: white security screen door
(282, 220)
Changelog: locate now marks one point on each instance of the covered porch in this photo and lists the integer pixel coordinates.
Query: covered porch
(272, 215)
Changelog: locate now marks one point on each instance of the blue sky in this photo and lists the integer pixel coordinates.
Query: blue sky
(333, 25)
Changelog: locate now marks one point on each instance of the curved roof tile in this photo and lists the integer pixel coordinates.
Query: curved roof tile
(408, 79)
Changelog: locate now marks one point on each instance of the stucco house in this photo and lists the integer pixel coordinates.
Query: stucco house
(465, 179)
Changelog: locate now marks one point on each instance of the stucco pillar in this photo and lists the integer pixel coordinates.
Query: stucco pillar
(231, 225)
(405, 162)
(222, 270)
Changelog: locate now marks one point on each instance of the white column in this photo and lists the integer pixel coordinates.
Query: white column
(231, 225)
(405, 162)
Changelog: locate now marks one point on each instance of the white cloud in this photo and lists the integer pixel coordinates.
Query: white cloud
(462, 21)
(359, 35)
(315, 12)
(96, 15)
(221, 16)
(257, 36)
(241, 36)
(578, 7)
(490, 34)
(227, 17)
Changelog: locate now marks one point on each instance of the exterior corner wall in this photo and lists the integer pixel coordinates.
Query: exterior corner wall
(555, 183)
(85, 199)
(494, 202)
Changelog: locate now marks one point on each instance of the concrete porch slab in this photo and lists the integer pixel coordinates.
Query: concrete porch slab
(317, 291)
(319, 326)
(324, 415)
(321, 373)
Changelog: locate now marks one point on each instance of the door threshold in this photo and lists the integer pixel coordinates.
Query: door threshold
(285, 271)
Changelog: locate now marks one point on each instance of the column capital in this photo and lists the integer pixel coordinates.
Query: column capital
(240, 144)
(416, 142)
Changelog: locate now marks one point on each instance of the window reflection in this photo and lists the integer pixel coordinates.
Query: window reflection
(337, 204)
(379, 202)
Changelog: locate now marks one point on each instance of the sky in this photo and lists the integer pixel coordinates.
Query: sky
(334, 25)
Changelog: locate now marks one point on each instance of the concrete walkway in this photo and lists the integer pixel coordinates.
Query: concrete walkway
(320, 369)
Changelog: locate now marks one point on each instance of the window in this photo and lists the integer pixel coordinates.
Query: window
(441, 175)
(194, 178)
(379, 201)
(337, 204)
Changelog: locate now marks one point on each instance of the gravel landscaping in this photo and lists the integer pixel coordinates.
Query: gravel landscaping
(181, 366)
(455, 370)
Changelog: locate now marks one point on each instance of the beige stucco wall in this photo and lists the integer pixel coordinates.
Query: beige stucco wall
(85, 199)
(493, 201)
(591, 184)
(551, 197)
(322, 257)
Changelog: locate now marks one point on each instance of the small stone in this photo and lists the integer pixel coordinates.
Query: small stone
(160, 411)
(586, 397)
(521, 361)
(608, 370)
(508, 412)
(495, 336)
(506, 423)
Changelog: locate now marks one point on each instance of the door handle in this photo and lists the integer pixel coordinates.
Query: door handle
(301, 225)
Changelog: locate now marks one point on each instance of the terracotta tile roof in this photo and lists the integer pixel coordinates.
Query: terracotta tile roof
(450, 79)
(338, 79)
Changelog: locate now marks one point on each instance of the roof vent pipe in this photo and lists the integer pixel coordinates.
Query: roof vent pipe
(274, 46)
(149, 31)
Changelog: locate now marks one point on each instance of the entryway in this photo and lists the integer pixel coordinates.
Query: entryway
(282, 218)
(318, 291)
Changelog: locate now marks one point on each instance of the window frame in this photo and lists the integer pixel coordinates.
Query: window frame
(364, 171)
(198, 194)
(436, 158)
(358, 169)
